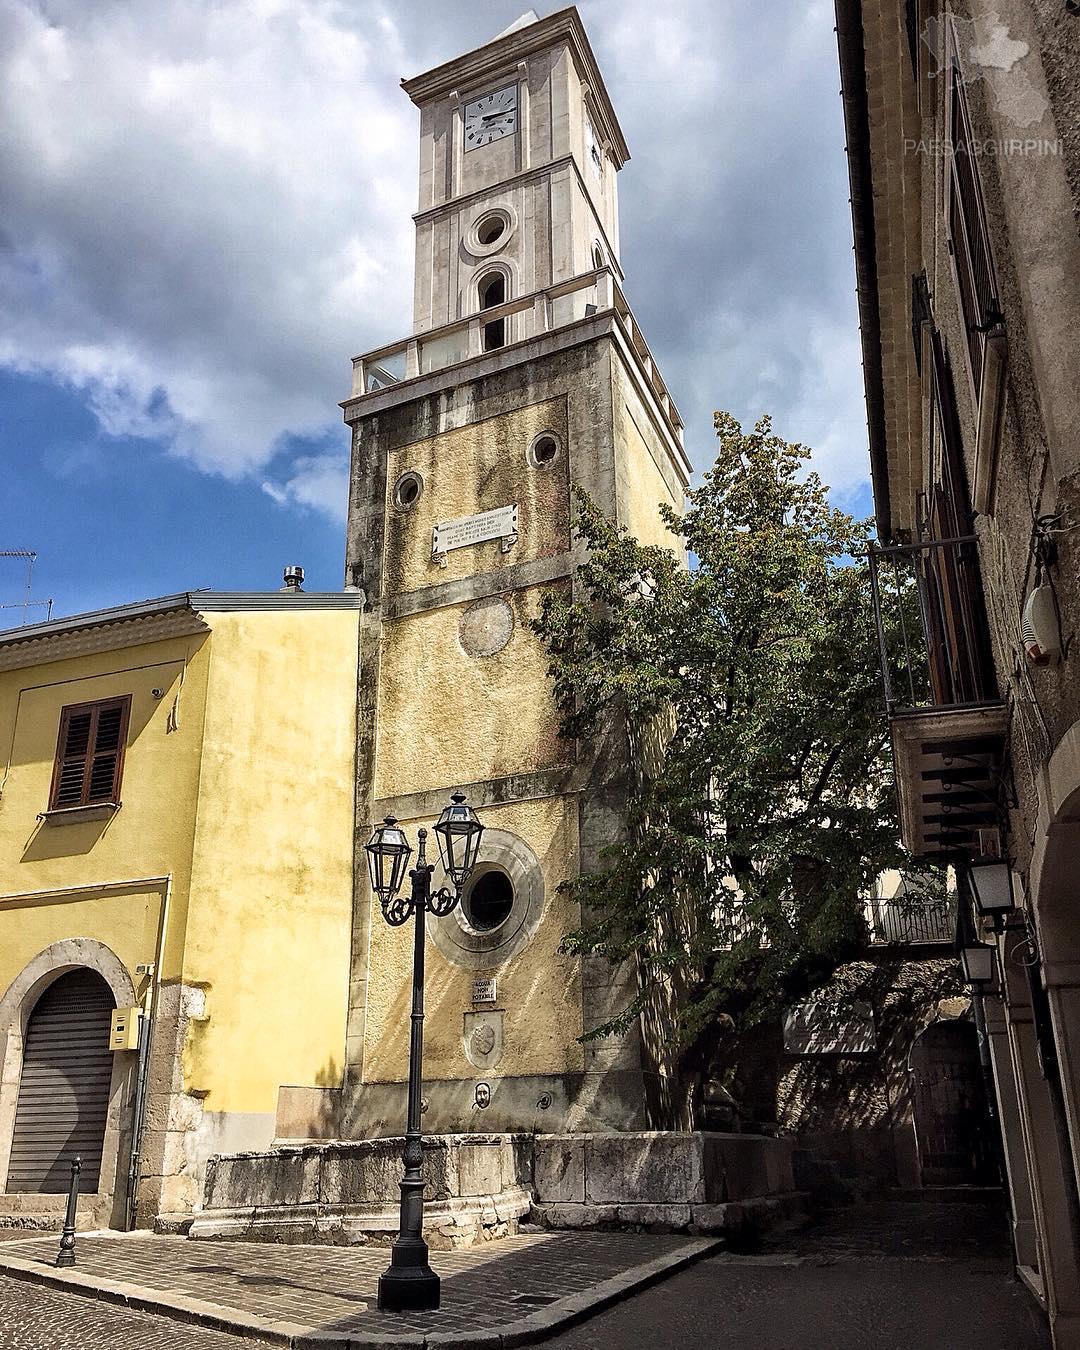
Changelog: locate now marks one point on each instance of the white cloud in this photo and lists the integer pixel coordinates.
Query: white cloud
(205, 211)
(320, 482)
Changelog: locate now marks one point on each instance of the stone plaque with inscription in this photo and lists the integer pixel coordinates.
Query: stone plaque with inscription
(500, 523)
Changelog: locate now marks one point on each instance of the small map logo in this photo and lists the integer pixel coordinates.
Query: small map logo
(988, 53)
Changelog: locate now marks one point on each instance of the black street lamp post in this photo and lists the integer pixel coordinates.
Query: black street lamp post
(409, 1283)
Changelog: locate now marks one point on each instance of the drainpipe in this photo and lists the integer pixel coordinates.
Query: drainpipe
(147, 1022)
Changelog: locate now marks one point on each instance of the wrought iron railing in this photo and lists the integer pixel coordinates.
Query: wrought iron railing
(901, 920)
(908, 922)
(931, 624)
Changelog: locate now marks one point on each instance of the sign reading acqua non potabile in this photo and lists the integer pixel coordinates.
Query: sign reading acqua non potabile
(483, 990)
(500, 523)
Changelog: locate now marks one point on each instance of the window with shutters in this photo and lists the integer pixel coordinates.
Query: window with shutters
(968, 241)
(90, 754)
(977, 289)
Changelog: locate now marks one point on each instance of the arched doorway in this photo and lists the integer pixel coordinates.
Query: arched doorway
(64, 1087)
(952, 1125)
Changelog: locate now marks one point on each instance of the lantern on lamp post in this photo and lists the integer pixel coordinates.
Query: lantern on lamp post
(977, 961)
(409, 1283)
(991, 888)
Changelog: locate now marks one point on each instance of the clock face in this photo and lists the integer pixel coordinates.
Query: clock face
(489, 117)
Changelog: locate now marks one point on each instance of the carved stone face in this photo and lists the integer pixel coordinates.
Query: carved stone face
(483, 1096)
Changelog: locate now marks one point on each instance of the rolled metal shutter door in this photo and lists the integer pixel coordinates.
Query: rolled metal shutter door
(64, 1089)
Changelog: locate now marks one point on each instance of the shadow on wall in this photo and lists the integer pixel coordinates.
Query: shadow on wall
(851, 1107)
(305, 1113)
(51, 840)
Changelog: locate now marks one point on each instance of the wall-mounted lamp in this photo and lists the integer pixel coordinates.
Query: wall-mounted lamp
(991, 887)
(977, 960)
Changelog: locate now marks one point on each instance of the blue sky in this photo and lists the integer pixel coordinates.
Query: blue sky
(206, 214)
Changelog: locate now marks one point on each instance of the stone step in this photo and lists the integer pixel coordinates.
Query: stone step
(31, 1223)
(946, 1195)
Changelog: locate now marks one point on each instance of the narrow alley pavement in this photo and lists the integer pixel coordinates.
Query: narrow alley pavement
(884, 1276)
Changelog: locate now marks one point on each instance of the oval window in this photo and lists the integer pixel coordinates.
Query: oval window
(544, 450)
(407, 491)
(490, 229)
(489, 901)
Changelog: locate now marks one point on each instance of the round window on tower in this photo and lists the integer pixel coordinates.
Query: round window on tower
(490, 231)
(489, 900)
(544, 450)
(407, 491)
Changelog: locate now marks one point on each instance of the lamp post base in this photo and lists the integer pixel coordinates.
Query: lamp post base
(409, 1285)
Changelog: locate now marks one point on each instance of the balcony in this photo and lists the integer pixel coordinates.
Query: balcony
(947, 721)
(908, 923)
(506, 326)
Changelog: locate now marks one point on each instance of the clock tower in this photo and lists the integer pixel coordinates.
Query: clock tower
(525, 375)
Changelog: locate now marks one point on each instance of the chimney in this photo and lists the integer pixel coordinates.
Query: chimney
(294, 580)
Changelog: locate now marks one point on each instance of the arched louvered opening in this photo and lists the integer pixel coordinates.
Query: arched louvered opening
(492, 291)
(64, 1089)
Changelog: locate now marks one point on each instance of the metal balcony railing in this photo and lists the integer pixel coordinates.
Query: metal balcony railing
(947, 721)
(905, 923)
(931, 625)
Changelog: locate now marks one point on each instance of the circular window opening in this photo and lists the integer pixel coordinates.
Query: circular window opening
(407, 491)
(489, 901)
(491, 232)
(490, 229)
(544, 450)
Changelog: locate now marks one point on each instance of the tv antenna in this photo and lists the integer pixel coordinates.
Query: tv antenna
(27, 603)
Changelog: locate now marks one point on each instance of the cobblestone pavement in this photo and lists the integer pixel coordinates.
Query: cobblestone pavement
(875, 1277)
(332, 1289)
(35, 1318)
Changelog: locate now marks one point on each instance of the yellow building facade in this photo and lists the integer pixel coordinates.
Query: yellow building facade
(176, 839)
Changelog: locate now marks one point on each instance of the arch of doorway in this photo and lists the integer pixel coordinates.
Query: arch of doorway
(16, 1005)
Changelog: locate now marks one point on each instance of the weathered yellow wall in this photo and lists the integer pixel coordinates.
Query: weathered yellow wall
(448, 718)
(269, 927)
(539, 989)
(640, 484)
(151, 835)
(243, 773)
(477, 468)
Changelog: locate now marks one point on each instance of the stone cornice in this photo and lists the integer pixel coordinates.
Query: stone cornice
(606, 323)
(505, 52)
(149, 621)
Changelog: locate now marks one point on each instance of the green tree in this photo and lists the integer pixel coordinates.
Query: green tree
(762, 806)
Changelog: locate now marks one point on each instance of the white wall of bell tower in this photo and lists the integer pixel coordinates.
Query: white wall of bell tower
(542, 199)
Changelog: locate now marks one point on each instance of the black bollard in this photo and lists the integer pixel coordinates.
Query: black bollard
(66, 1255)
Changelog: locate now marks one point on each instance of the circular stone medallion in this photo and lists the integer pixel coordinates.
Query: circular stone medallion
(486, 626)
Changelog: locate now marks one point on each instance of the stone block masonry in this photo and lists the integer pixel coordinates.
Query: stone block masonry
(481, 1186)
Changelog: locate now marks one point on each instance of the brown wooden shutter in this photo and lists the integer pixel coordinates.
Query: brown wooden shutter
(969, 241)
(90, 753)
(64, 1089)
(951, 594)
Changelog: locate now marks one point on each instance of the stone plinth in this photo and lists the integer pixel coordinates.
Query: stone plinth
(477, 1187)
(657, 1179)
